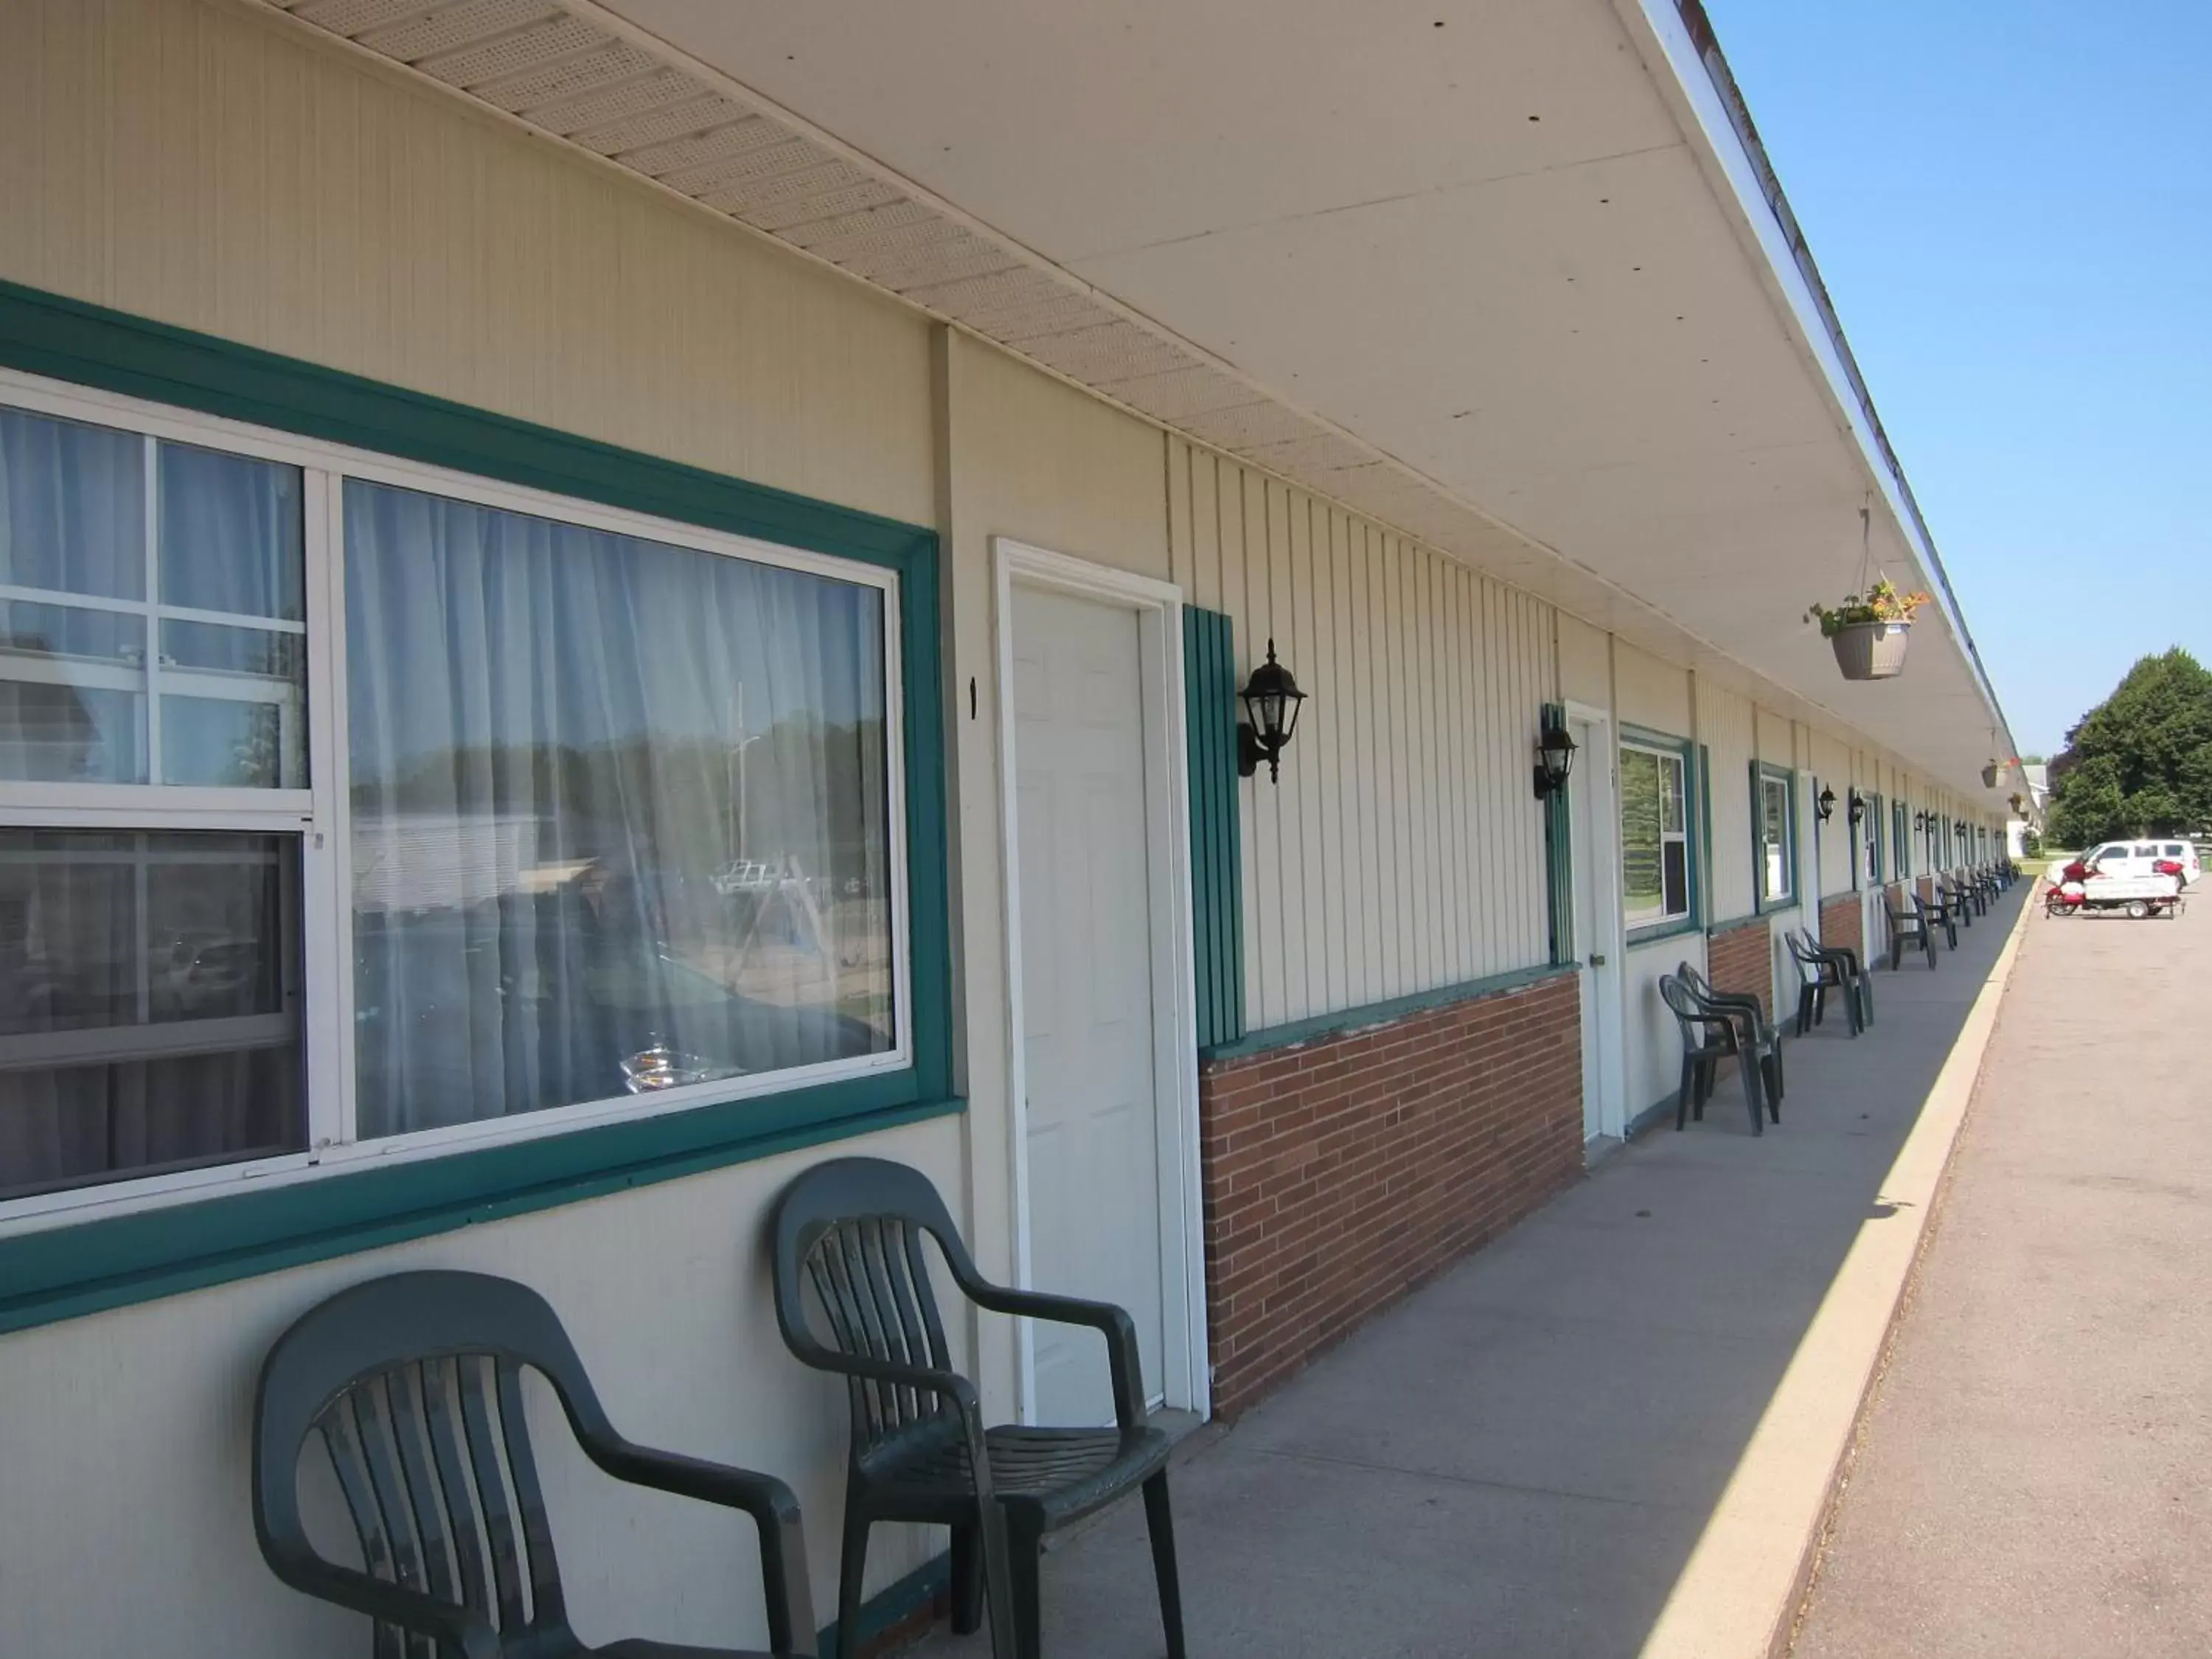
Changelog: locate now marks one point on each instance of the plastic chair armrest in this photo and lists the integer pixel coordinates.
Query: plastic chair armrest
(772, 1506)
(1109, 1321)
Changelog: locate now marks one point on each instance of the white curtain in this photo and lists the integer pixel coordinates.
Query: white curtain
(619, 813)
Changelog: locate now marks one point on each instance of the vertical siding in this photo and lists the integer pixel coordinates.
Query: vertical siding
(1726, 724)
(206, 167)
(1651, 692)
(1832, 767)
(1401, 849)
(1585, 663)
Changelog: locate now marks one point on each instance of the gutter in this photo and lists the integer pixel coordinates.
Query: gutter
(1707, 46)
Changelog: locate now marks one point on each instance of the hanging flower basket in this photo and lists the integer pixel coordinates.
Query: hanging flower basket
(1871, 651)
(1870, 631)
(1990, 774)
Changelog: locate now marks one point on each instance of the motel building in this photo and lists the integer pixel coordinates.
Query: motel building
(601, 603)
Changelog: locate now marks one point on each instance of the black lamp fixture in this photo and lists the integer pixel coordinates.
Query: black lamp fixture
(1857, 808)
(1555, 759)
(1920, 822)
(1825, 804)
(1271, 698)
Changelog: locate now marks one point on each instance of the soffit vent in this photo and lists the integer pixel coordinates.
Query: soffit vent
(562, 69)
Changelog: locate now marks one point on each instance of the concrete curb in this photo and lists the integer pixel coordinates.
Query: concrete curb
(1739, 1593)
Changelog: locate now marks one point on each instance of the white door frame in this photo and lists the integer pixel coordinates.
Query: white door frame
(1186, 1366)
(1605, 908)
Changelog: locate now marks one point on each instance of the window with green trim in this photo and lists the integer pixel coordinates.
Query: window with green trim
(1773, 816)
(1900, 839)
(1655, 843)
(1871, 828)
(350, 806)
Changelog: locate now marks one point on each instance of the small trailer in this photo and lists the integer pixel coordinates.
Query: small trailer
(2136, 897)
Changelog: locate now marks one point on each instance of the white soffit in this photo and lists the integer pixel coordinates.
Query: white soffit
(1329, 239)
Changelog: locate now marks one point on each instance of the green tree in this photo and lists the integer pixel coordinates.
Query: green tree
(2140, 762)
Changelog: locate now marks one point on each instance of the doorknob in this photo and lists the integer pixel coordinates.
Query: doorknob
(1598, 961)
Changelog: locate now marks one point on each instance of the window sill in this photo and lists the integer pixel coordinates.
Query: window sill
(1658, 931)
(70, 1269)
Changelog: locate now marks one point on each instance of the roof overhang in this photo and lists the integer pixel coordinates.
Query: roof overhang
(1511, 276)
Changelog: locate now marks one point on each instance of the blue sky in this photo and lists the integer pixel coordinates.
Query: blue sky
(2011, 202)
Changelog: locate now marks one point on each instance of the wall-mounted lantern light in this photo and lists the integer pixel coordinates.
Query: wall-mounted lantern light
(1271, 699)
(1920, 822)
(1825, 804)
(1555, 759)
(1857, 808)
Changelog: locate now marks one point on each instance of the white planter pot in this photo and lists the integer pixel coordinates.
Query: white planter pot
(1872, 651)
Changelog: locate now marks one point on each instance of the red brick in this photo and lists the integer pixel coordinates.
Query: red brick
(1340, 1173)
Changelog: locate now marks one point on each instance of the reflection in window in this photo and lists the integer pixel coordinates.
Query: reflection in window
(1654, 839)
(92, 666)
(149, 1003)
(1774, 838)
(620, 813)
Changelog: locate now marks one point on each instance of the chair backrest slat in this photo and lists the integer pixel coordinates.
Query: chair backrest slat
(547, 1605)
(426, 1498)
(822, 1274)
(483, 1441)
(342, 1445)
(439, 1383)
(372, 1428)
(864, 1250)
(852, 1230)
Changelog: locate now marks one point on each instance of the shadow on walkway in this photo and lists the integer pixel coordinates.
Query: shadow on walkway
(1519, 1458)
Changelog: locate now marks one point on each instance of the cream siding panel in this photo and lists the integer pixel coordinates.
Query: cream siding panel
(201, 166)
(1832, 767)
(1725, 725)
(1585, 663)
(665, 1292)
(1388, 858)
(1029, 457)
(1046, 464)
(1652, 693)
(1651, 1043)
(1778, 739)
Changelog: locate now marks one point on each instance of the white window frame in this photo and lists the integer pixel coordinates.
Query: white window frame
(1633, 921)
(1784, 784)
(319, 815)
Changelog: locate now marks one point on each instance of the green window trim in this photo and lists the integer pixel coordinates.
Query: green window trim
(78, 1267)
(1764, 903)
(1697, 830)
(1559, 852)
(1217, 870)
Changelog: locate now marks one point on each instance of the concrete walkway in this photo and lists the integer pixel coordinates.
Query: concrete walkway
(1521, 1458)
(2036, 1473)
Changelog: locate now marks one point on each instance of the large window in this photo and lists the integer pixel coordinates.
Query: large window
(1655, 846)
(1900, 838)
(349, 807)
(1871, 828)
(1773, 813)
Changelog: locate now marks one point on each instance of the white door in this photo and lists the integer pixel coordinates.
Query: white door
(1594, 871)
(1095, 1128)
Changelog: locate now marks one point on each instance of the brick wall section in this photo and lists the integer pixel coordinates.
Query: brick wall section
(1340, 1173)
(1742, 959)
(1842, 923)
